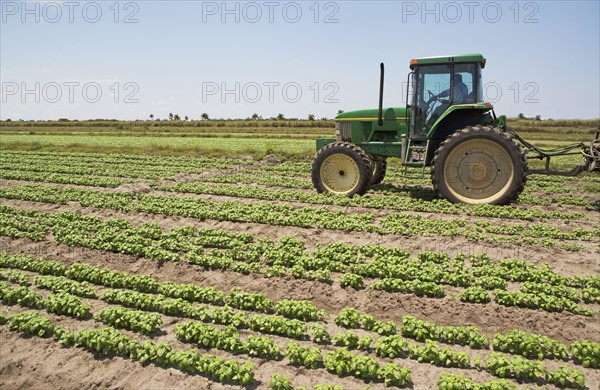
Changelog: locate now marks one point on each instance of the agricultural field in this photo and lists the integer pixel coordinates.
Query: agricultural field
(159, 256)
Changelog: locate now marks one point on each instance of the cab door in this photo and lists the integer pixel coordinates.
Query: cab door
(429, 81)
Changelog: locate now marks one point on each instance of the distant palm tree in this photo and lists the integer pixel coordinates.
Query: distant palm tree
(280, 117)
(176, 117)
(311, 117)
(204, 116)
(170, 116)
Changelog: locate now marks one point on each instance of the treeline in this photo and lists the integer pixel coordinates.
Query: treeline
(111, 123)
(562, 126)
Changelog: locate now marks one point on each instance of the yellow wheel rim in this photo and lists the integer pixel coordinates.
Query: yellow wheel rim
(478, 171)
(339, 173)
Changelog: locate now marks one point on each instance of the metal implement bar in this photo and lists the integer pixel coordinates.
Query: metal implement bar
(591, 156)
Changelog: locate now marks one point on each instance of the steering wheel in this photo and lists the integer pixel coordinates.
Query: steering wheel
(432, 98)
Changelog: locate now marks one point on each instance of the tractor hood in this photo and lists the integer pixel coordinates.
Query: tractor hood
(390, 113)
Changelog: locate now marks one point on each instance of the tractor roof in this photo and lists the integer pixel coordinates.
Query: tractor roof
(448, 59)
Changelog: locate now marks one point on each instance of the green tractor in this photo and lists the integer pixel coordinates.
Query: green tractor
(473, 157)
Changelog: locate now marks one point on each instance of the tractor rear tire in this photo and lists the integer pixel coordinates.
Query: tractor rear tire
(379, 168)
(479, 165)
(342, 168)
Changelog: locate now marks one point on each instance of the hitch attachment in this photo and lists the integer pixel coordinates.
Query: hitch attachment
(591, 156)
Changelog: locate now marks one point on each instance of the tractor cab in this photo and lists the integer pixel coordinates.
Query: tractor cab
(438, 83)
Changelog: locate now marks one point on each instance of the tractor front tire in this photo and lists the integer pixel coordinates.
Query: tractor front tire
(379, 168)
(479, 165)
(342, 168)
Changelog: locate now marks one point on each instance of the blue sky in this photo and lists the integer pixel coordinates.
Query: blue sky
(130, 59)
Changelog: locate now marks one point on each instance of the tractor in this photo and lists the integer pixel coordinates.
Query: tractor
(474, 157)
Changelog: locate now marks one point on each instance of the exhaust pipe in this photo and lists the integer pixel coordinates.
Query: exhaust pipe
(380, 114)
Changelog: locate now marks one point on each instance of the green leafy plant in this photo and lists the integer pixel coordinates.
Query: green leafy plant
(328, 387)
(67, 304)
(319, 334)
(15, 277)
(348, 318)
(394, 375)
(475, 294)
(567, 377)
(244, 300)
(444, 357)
(590, 294)
(192, 293)
(59, 284)
(348, 340)
(587, 352)
(299, 355)
(352, 280)
(134, 320)
(530, 345)
(278, 325)
(20, 296)
(391, 347)
(368, 322)
(449, 381)
(302, 310)
(515, 367)
(422, 330)
(280, 382)
(262, 346)
(32, 324)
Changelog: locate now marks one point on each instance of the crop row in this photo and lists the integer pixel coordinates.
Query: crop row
(179, 297)
(207, 336)
(84, 273)
(221, 315)
(71, 168)
(15, 276)
(411, 196)
(388, 346)
(259, 178)
(49, 177)
(70, 173)
(388, 202)
(496, 364)
(344, 363)
(59, 303)
(529, 345)
(193, 244)
(296, 175)
(340, 362)
(66, 304)
(396, 272)
(110, 342)
(110, 164)
(285, 215)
